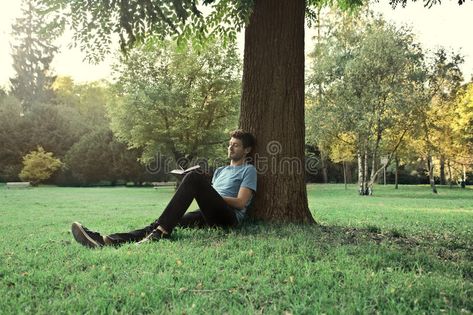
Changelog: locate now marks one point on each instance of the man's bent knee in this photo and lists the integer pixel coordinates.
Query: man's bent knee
(194, 177)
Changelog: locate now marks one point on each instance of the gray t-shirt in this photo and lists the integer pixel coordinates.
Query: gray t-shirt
(227, 181)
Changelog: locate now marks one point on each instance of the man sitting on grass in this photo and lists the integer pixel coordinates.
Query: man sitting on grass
(221, 203)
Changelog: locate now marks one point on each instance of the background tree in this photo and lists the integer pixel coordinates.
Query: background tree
(343, 151)
(406, 154)
(464, 111)
(462, 129)
(98, 156)
(177, 101)
(55, 128)
(89, 99)
(32, 55)
(39, 166)
(374, 93)
(14, 138)
(337, 34)
(444, 80)
(92, 154)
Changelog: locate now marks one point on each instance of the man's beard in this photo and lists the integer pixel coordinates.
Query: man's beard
(235, 157)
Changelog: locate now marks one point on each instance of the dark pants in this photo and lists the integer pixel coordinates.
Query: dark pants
(214, 211)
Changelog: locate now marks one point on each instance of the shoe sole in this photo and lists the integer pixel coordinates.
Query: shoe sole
(82, 237)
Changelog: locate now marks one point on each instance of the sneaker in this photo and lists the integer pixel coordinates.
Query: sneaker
(86, 237)
(154, 236)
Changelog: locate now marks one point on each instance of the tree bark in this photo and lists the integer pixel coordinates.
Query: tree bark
(430, 166)
(396, 174)
(463, 183)
(344, 174)
(442, 170)
(348, 169)
(374, 158)
(373, 178)
(363, 173)
(323, 160)
(272, 108)
(450, 179)
(360, 174)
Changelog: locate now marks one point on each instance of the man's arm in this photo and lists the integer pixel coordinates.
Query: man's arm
(244, 195)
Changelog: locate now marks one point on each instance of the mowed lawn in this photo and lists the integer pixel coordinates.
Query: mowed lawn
(399, 251)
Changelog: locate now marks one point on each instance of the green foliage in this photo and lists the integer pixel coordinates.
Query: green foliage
(72, 112)
(89, 100)
(342, 149)
(55, 128)
(95, 23)
(378, 83)
(98, 156)
(456, 134)
(464, 111)
(14, 138)
(39, 166)
(313, 8)
(192, 21)
(33, 52)
(445, 76)
(400, 252)
(179, 101)
(436, 138)
(334, 49)
(367, 83)
(427, 3)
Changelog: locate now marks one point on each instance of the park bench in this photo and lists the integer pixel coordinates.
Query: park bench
(162, 184)
(18, 184)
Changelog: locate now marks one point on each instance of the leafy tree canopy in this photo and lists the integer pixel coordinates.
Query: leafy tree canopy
(96, 22)
(178, 101)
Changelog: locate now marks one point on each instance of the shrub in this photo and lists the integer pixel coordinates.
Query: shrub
(38, 166)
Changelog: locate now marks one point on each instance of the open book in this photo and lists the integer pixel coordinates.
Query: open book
(182, 171)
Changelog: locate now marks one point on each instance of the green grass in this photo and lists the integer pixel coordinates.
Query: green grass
(404, 251)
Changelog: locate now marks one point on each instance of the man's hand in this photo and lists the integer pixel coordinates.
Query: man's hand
(244, 195)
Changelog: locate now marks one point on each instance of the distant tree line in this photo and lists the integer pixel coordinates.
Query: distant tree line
(72, 126)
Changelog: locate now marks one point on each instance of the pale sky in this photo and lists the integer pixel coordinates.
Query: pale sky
(448, 25)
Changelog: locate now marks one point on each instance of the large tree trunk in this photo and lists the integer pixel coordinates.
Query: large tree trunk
(272, 108)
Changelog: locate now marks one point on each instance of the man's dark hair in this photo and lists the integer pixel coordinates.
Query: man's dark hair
(246, 138)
